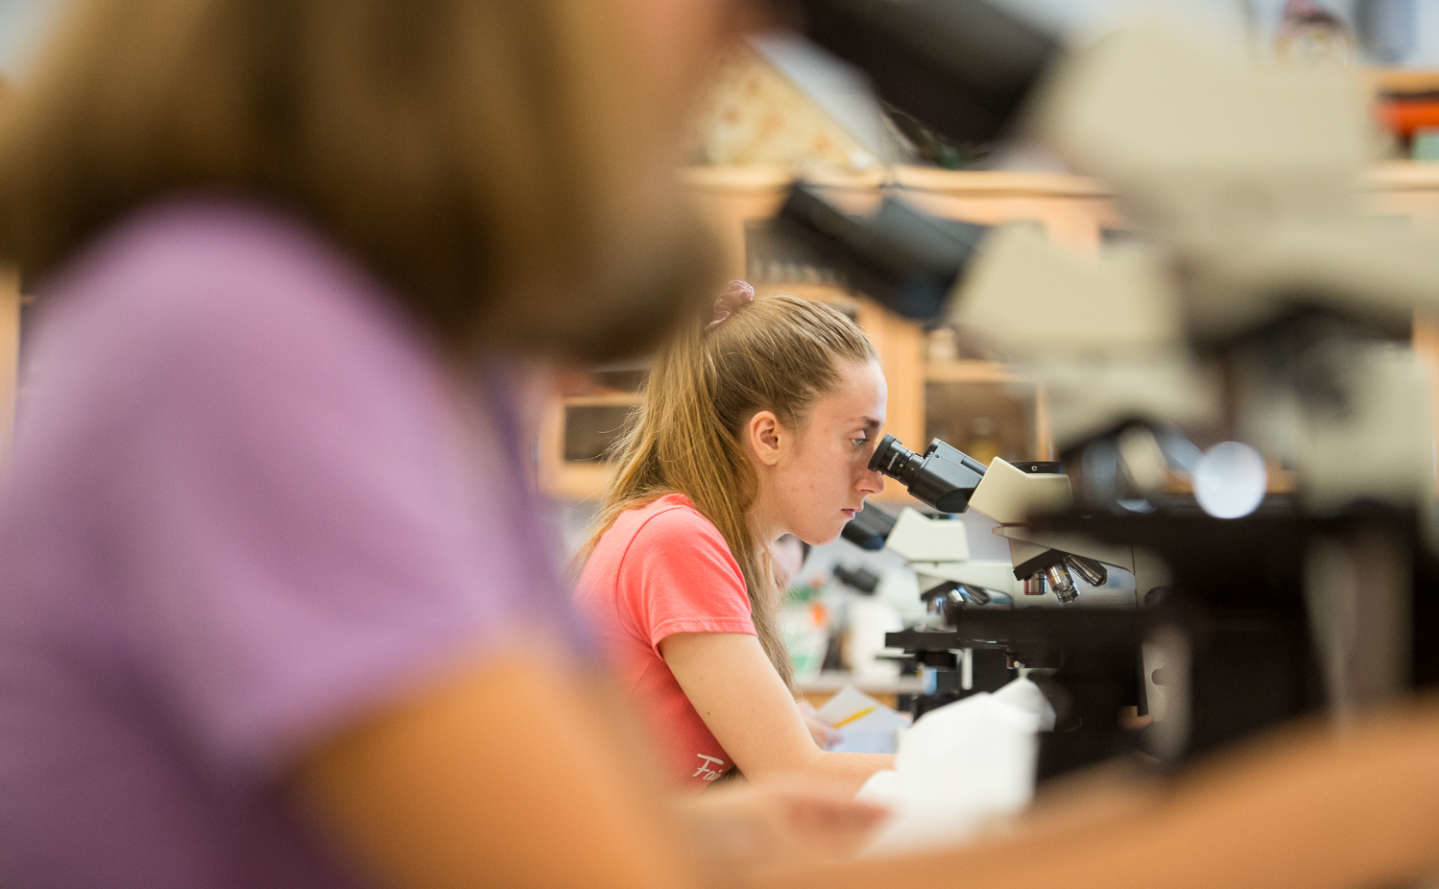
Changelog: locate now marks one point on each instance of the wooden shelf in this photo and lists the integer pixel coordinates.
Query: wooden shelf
(917, 178)
(971, 372)
(1404, 176)
(602, 399)
(991, 183)
(1404, 80)
(765, 178)
(577, 481)
(997, 183)
(1277, 481)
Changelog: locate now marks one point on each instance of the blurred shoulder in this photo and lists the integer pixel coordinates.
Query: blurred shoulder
(223, 290)
(204, 272)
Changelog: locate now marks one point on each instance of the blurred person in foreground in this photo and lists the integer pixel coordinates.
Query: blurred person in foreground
(275, 608)
(264, 541)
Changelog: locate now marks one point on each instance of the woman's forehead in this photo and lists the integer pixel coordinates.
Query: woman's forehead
(858, 395)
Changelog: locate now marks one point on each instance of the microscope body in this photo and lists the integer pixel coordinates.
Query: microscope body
(1048, 612)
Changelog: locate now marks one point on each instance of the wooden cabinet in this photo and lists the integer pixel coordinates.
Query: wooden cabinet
(578, 424)
(939, 385)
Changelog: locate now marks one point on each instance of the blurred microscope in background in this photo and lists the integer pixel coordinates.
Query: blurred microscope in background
(1261, 308)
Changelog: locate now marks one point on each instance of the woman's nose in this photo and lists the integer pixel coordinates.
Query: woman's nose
(871, 481)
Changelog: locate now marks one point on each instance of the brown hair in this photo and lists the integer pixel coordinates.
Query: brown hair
(480, 156)
(777, 354)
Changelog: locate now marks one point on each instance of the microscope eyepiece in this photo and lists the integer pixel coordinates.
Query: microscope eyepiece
(943, 476)
(895, 460)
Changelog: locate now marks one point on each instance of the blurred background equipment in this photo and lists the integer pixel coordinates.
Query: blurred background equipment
(959, 71)
(908, 260)
(1266, 305)
(961, 68)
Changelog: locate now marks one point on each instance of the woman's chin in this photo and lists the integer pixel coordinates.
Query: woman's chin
(820, 532)
(829, 535)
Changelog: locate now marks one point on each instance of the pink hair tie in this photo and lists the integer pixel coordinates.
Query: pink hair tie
(736, 294)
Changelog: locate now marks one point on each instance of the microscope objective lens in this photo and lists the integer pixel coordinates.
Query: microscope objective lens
(1061, 583)
(1092, 572)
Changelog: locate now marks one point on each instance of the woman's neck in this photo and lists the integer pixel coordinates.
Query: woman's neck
(762, 522)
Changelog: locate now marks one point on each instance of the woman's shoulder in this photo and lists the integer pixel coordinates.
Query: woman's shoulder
(665, 547)
(670, 518)
(666, 529)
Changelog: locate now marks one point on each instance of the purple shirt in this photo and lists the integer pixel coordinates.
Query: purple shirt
(245, 508)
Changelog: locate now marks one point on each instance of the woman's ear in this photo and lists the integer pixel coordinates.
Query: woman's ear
(765, 437)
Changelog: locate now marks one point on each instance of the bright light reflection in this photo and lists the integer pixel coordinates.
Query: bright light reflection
(1230, 480)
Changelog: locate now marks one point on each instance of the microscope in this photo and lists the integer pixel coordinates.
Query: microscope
(1089, 657)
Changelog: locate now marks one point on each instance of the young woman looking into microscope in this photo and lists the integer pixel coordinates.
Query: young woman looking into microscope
(757, 422)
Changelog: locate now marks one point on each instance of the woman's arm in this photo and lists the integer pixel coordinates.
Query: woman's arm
(736, 691)
(511, 774)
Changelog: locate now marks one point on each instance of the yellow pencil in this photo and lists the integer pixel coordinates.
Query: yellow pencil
(853, 716)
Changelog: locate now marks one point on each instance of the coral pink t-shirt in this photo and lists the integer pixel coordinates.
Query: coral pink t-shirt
(660, 569)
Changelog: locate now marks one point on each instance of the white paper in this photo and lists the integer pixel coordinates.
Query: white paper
(864, 724)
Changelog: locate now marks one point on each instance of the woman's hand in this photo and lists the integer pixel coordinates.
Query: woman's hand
(824, 734)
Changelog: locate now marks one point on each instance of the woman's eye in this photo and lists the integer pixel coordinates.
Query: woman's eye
(859, 442)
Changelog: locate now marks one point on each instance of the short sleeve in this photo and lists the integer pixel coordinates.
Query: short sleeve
(679, 576)
(300, 530)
